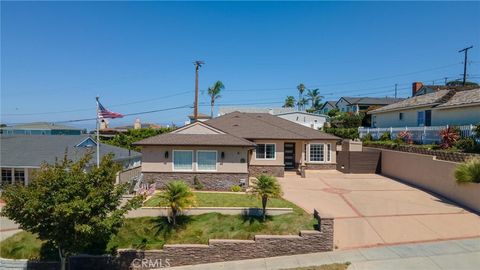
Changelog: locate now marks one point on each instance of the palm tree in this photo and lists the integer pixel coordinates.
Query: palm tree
(266, 187)
(214, 93)
(301, 88)
(289, 102)
(177, 196)
(314, 97)
(468, 172)
(301, 103)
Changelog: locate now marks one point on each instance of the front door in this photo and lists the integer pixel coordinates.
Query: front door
(289, 155)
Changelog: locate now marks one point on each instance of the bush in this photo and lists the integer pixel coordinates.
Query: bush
(477, 131)
(368, 137)
(468, 172)
(449, 137)
(236, 188)
(405, 136)
(347, 120)
(345, 133)
(385, 137)
(197, 184)
(466, 144)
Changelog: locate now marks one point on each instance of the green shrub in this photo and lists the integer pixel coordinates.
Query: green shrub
(368, 137)
(466, 144)
(236, 188)
(468, 172)
(345, 133)
(385, 137)
(197, 184)
(477, 131)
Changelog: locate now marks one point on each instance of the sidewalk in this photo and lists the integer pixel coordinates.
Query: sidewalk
(453, 254)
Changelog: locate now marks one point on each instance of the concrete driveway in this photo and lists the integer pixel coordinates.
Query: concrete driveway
(371, 209)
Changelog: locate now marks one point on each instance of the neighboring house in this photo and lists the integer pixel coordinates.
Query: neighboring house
(310, 120)
(328, 106)
(363, 104)
(226, 150)
(22, 155)
(274, 111)
(41, 128)
(200, 117)
(418, 88)
(442, 107)
(106, 131)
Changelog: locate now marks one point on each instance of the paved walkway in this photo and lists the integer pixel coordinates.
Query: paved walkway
(372, 210)
(454, 255)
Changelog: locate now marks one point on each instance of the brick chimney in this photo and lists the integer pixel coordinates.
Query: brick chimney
(415, 87)
(137, 124)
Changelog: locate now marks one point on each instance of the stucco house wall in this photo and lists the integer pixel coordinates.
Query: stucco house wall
(305, 119)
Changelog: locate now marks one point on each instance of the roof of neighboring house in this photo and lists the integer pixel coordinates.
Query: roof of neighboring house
(42, 126)
(142, 125)
(306, 113)
(200, 116)
(439, 99)
(195, 139)
(329, 102)
(265, 126)
(371, 100)
(226, 110)
(33, 150)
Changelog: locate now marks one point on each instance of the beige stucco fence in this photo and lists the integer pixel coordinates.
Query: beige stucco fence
(432, 175)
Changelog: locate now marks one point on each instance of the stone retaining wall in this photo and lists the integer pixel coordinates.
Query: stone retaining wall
(210, 181)
(216, 251)
(315, 166)
(256, 170)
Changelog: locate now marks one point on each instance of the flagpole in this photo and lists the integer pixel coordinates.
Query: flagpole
(98, 135)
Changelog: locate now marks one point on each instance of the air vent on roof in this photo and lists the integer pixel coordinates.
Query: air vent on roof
(236, 116)
(259, 116)
(235, 125)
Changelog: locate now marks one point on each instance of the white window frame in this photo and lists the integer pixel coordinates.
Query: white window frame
(265, 158)
(327, 155)
(216, 161)
(173, 160)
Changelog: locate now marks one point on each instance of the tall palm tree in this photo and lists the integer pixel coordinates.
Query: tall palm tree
(177, 196)
(214, 93)
(266, 187)
(289, 102)
(301, 88)
(314, 97)
(301, 103)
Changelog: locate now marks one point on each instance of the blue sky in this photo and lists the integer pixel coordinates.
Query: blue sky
(57, 56)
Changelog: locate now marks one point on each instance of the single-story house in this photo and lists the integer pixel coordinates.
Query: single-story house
(438, 108)
(22, 155)
(41, 128)
(226, 150)
(328, 106)
(271, 110)
(362, 104)
(310, 120)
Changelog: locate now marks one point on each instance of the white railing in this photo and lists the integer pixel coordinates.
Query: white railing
(424, 135)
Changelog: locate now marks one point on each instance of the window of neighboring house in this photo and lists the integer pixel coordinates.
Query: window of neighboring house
(19, 176)
(317, 152)
(207, 160)
(182, 160)
(265, 151)
(421, 118)
(400, 116)
(428, 118)
(343, 109)
(328, 151)
(374, 121)
(6, 176)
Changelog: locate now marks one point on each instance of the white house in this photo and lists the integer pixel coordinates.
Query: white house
(358, 104)
(310, 120)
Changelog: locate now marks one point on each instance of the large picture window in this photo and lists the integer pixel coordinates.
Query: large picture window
(320, 152)
(182, 160)
(207, 160)
(265, 151)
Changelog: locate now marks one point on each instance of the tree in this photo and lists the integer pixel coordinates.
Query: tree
(71, 205)
(302, 102)
(315, 98)
(266, 187)
(177, 196)
(301, 88)
(460, 83)
(214, 93)
(126, 139)
(289, 102)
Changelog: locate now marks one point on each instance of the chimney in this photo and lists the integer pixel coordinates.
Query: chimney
(103, 124)
(415, 87)
(137, 124)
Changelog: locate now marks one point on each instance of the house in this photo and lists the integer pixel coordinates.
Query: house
(41, 128)
(200, 117)
(274, 111)
(418, 88)
(310, 120)
(363, 104)
(328, 106)
(106, 131)
(22, 155)
(226, 150)
(438, 108)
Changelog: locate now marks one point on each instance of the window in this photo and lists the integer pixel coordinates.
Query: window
(320, 152)
(182, 160)
(374, 121)
(400, 116)
(207, 160)
(19, 176)
(428, 118)
(265, 151)
(6, 176)
(421, 118)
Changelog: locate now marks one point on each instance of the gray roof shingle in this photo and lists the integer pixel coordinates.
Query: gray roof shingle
(42, 126)
(33, 150)
(416, 101)
(372, 100)
(463, 98)
(195, 139)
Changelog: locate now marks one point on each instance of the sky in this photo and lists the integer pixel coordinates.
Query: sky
(137, 56)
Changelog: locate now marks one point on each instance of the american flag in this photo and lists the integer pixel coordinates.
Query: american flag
(104, 113)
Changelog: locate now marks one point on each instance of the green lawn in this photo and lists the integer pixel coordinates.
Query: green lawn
(154, 232)
(214, 199)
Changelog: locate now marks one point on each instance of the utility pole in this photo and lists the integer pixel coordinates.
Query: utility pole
(465, 51)
(395, 90)
(446, 80)
(197, 64)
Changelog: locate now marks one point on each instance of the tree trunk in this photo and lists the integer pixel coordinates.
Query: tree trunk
(264, 207)
(62, 259)
(211, 110)
(174, 217)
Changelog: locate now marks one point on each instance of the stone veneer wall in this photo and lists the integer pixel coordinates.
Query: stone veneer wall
(315, 166)
(256, 170)
(210, 181)
(217, 250)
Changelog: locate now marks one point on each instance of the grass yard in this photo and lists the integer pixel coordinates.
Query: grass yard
(154, 232)
(216, 199)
